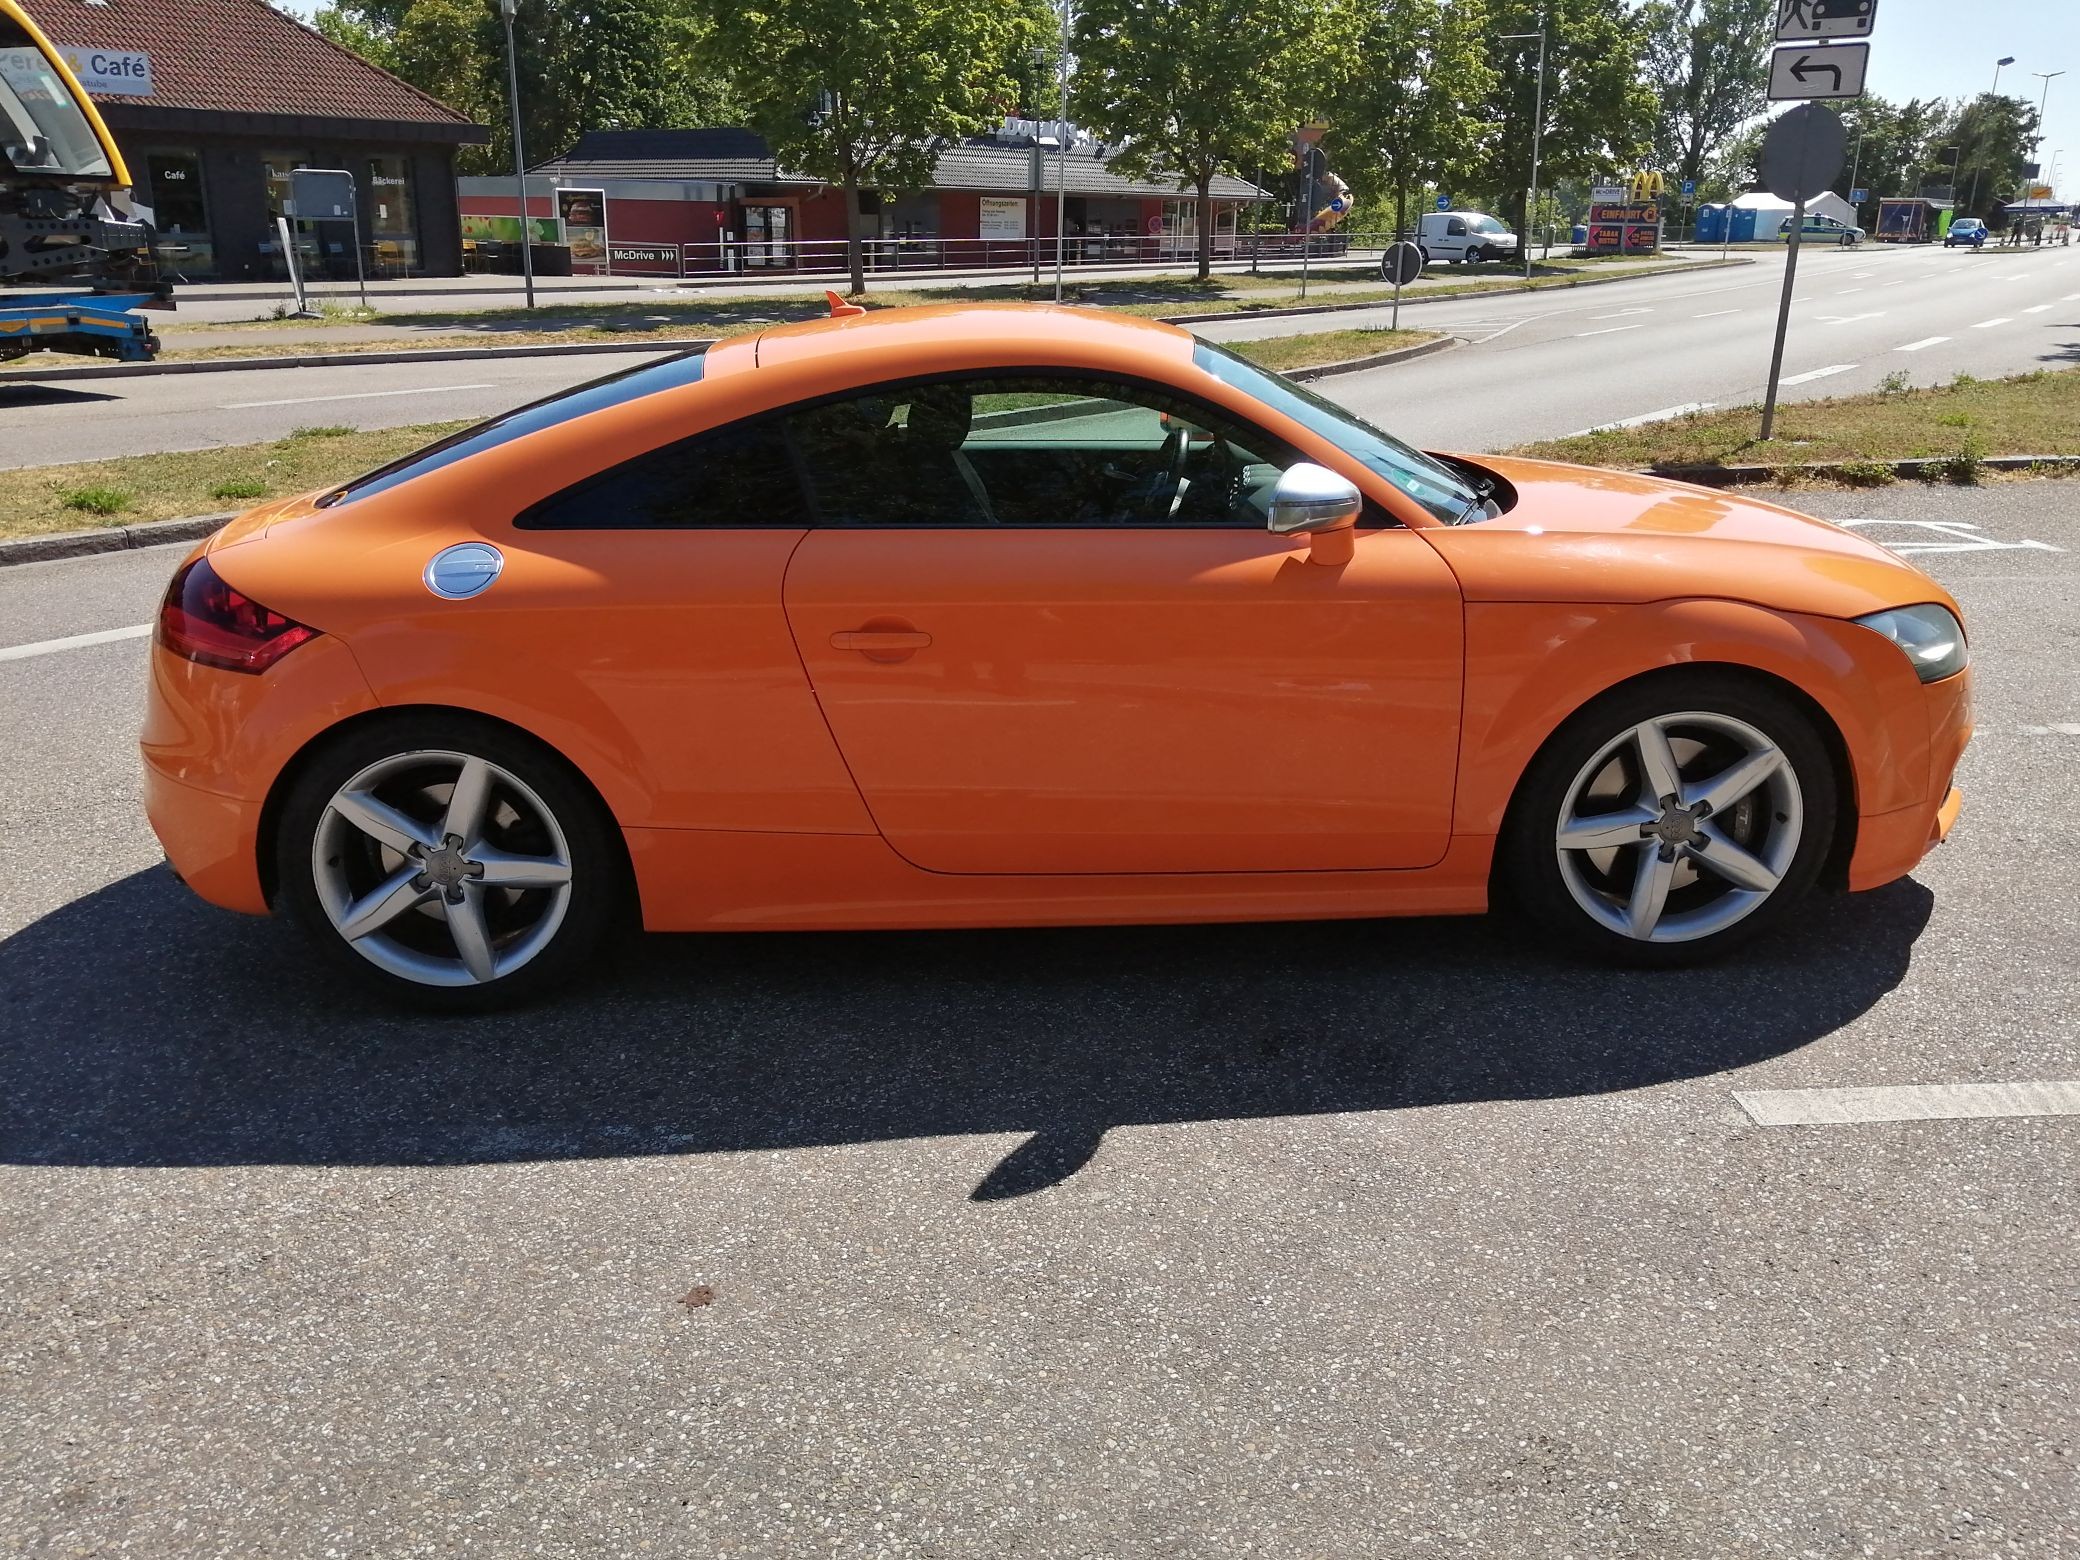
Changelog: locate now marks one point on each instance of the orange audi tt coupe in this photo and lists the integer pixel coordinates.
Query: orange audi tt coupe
(999, 616)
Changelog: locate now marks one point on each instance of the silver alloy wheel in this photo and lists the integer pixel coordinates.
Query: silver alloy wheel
(1679, 827)
(441, 868)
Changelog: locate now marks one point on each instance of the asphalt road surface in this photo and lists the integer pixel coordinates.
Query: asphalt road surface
(1538, 365)
(1370, 1239)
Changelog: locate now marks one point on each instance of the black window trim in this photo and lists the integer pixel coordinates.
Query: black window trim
(1375, 517)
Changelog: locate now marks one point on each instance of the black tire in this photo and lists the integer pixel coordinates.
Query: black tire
(1528, 880)
(600, 899)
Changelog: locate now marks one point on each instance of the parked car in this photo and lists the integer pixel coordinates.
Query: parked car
(975, 616)
(1464, 236)
(1966, 230)
(1820, 229)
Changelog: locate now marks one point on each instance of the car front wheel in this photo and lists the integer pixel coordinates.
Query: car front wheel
(448, 862)
(1670, 822)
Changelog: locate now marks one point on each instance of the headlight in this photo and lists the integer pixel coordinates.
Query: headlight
(1931, 637)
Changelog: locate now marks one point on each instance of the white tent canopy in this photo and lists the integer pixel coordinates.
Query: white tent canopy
(1770, 210)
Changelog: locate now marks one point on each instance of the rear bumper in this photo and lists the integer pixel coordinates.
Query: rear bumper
(211, 841)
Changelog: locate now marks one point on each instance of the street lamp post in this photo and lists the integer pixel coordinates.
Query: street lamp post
(1061, 164)
(1998, 66)
(1538, 116)
(507, 8)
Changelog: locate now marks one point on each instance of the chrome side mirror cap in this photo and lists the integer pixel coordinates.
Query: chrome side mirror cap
(1310, 499)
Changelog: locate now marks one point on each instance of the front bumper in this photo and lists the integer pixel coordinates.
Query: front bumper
(1889, 845)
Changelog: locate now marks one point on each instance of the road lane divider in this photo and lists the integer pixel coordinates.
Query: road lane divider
(1989, 324)
(1907, 1102)
(107, 636)
(2040, 308)
(1925, 341)
(1611, 330)
(1715, 314)
(358, 395)
(1816, 373)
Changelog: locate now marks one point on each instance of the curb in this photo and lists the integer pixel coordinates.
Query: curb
(1515, 290)
(583, 348)
(108, 539)
(1377, 360)
(1926, 470)
(336, 359)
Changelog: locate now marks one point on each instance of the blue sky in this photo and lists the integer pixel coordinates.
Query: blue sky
(1946, 48)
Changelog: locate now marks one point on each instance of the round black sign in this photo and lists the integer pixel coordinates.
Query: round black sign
(1401, 264)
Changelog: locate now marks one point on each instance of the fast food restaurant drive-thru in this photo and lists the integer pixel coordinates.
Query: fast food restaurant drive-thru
(684, 202)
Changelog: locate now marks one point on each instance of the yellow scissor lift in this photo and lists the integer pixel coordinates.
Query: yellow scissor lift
(58, 238)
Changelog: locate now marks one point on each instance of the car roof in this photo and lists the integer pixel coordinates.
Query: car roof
(1009, 331)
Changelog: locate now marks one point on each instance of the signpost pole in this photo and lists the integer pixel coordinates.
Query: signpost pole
(1776, 357)
(1306, 215)
(508, 7)
(1538, 118)
(1061, 159)
(354, 218)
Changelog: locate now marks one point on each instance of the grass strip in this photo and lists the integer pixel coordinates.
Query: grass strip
(1961, 423)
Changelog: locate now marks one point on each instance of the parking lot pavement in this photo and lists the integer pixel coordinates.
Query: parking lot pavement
(1381, 1238)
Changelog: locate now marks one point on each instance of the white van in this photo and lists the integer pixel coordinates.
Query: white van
(1463, 235)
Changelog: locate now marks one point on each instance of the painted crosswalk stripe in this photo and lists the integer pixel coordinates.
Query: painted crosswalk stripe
(107, 636)
(1907, 1102)
(1817, 373)
(1925, 341)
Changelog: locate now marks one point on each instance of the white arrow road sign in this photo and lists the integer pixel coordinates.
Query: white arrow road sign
(1825, 18)
(1831, 71)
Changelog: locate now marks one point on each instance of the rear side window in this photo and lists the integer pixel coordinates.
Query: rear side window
(739, 475)
(614, 390)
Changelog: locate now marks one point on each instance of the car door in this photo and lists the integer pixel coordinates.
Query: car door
(1051, 635)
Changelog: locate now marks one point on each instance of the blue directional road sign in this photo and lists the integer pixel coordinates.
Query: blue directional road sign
(1444, 203)
(1859, 196)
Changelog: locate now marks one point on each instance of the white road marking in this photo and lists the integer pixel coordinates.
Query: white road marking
(2040, 308)
(1925, 341)
(2070, 298)
(1848, 290)
(1818, 373)
(107, 636)
(1715, 314)
(1896, 284)
(1957, 536)
(1644, 418)
(359, 395)
(1621, 314)
(1608, 330)
(1907, 1102)
(1847, 319)
(1989, 324)
(2058, 728)
(1861, 276)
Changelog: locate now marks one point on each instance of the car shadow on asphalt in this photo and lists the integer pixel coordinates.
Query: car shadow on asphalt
(140, 1027)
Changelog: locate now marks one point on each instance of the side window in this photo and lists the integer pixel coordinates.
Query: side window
(1032, 451)
(1456, 228)
(736, 475)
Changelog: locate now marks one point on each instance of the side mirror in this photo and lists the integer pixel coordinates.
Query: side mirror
(1314, 501)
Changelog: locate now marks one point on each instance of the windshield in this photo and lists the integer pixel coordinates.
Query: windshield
(1429, 482)
(41, 127)
(1486, 225)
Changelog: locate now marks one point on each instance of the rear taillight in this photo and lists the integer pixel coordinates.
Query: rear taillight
(205, 620)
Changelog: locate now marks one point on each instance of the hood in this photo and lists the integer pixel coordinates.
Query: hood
(1579, 533)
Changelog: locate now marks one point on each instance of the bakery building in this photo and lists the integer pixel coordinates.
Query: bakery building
(716, 200)
(214, 101)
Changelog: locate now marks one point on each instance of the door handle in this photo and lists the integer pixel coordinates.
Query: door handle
(882, 644)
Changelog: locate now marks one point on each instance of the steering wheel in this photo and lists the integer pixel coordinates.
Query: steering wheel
(1166, 475)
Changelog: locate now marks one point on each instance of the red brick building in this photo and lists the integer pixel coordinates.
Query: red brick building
(717, 200)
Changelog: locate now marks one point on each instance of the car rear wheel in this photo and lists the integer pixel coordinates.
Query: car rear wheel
(449, 863)
(1673, 821)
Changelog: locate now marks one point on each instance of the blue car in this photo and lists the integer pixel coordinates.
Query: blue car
(1966, 230)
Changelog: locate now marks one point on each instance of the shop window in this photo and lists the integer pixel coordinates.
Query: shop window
(393, 229)
(275, 168)
(180, 213)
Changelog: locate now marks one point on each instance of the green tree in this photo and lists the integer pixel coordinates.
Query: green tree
(860, 95)
(1407, 107)
(1599, 110)
(1993, 135)
(1708, 63)
(1197, 88)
